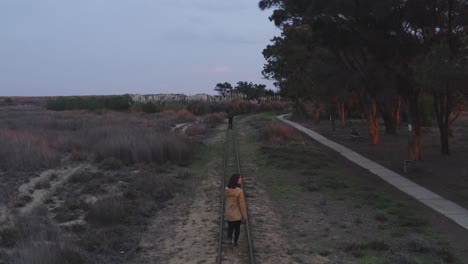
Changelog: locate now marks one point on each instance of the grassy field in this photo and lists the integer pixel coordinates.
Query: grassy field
(81, 187)
(337, 211)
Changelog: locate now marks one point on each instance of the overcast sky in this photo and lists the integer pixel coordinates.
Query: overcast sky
(79, 47)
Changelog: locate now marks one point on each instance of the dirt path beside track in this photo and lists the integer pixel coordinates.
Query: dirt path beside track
(186, 231)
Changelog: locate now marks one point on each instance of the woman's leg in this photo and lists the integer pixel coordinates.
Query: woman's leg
(237, 225)
(230, 229)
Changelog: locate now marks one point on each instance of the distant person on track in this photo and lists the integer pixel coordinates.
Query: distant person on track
(230, 118)
(236, 210)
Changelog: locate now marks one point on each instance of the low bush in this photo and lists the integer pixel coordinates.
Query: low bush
(213, 119)
(109, 211)
(38, 240)
(184, 116)
(42, 184)
(23, 200)
(49, 253)
(118, 103)
(8, 237)
(143, 146)
(195, 130)
(273, 106)
(149, 107)
(202, 107)
(157, 186)
(278, 133)
(25, 151)
(417, 243)
(110, 163)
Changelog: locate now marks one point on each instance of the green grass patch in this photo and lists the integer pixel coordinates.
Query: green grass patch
(373, 259)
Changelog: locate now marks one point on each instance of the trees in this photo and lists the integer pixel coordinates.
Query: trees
(224, 89)
(249, 90)
(338, 39)
(372, 49)
(439, 69)
(444, 77)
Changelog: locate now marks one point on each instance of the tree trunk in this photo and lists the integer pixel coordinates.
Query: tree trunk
(342, 110)
(317, 114)
(414, 145)
(373, 122)
(390, 125)
(442, 110)
(299, 108)
(390, 111)
(397, 112)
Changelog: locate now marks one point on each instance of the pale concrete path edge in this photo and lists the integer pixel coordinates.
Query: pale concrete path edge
(447, 208)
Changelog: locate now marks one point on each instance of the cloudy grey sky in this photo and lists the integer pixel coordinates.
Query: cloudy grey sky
(70, 47)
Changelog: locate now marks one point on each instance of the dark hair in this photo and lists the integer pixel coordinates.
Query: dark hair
(233, 181)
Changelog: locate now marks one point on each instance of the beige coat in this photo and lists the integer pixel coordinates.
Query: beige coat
(236, 209)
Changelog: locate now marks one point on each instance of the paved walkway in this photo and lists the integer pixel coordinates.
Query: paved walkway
(449, 209)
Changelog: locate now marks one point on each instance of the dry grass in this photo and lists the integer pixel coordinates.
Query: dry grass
(38, 240)
(25, 150)
(279, 133)
(36, 139)
(195, 130)
(109, 211)
(213, 119)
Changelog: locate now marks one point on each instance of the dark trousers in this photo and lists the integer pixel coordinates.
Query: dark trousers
(234, 226)
(230, 124)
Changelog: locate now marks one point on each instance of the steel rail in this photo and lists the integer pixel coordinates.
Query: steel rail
(221, 225)
(247, 224)
(223, 179)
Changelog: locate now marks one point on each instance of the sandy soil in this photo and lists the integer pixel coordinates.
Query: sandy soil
(55, 177)
(39, 195)
(186, 231)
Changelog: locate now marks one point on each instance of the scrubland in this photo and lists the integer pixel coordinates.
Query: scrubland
(80, 186)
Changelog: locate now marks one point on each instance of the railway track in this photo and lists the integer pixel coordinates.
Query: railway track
(231, 163)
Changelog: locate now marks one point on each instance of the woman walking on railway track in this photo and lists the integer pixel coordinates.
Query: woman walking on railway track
(236, 210)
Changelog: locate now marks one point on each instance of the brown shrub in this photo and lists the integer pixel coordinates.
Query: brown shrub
(195, 130)
(278, 133)
(109, 211)
(157, 186)
(24, 150)
(49, 253)
(35, 139)
(213, 119)
(142, 146)
(38, 240)
(185, 115)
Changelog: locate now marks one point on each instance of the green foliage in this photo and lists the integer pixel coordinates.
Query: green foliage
(224, 89)
(157, 107)
(252, 91)
(118, 103)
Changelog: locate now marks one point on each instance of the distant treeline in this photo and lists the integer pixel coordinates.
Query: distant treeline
(117, 102)
(125, 103)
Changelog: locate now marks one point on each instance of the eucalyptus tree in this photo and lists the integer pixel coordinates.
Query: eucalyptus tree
(355, 32)
(440, 69)
(288, 59)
